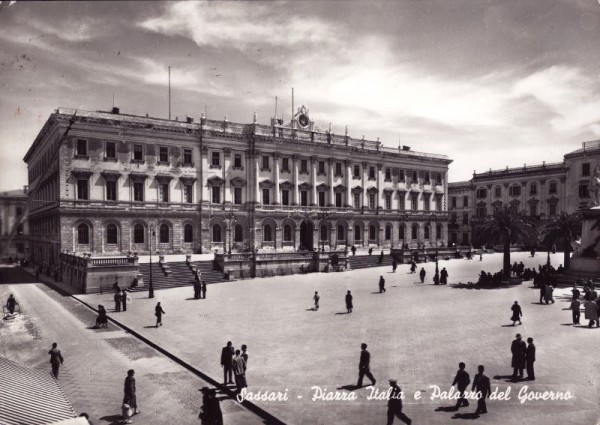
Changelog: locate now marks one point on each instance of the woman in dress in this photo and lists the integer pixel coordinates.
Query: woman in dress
(517, 313)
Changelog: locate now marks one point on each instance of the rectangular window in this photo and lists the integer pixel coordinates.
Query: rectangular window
(321, 167)
(584, 190)
(138, 152)
(585, 169)
(338, 169)
(481, 193)
(188, 194)
(498, 192)
(438, 203)
(552, 210)
(237, 160)
(163, 192)
(82, 189)
(372, 173)
(187, 157)
(304, 198)
(401, 176)
(453, 218)
(138, 191)
(357, 171)
(163, 154)
(285, 165)
(466, 201)
(82, 147)
(216, 159)
(372, 201)
(426, 177)
(237, 195)
(285, 197)
(481, 211)
(415, 177)
(465, 218)
(533, 189)
(514, 191)
(304, 166)
(533, 210)
(388, 174)
(216, 195)
(414, 201)
(265, 163)
(401, 202)
(265, 193)
(552, 188)
(426, 203)
(388, 202)
(111, 150)
(111, 190)
(453, 202)
(357, 200)
(338, 199)
(321, 199)
(438, 178)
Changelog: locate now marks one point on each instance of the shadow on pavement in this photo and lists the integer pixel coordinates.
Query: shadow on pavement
(113, 419)
(465, 416)
(349, 387)
(447, 409)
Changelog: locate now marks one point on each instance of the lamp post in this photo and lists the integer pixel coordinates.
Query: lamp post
(230, 219)
(322, 216)
(436, 277)
(151, 286)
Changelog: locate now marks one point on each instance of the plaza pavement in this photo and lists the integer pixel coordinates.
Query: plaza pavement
(416, 333)
(97, 360)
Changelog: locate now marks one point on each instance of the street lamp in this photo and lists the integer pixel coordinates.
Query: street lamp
(436, 277)
(151, 286)
(322, 216)
(230, 219)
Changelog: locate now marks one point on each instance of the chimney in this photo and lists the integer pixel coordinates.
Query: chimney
(190, 120)
(115, 110)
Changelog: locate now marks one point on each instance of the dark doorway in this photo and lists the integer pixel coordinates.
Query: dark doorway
(306, 235)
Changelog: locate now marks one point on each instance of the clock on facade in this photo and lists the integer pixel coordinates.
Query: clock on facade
(303, 120)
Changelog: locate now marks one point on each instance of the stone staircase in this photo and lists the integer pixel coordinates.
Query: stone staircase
(569, 277)
(366, 261)
(177, 274)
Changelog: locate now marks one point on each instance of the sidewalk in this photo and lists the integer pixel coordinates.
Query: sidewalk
(97, 360)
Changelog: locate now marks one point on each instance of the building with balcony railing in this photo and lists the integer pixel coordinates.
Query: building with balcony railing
(107, 183)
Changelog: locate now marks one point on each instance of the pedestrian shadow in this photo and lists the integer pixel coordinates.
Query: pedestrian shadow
(509, 326)
(567, 324)
(152, 326)
(465, 416)
(311, 309)
(508, 378)
(187, 299)
(585, 327)
(377, 292)
(113, 419)
(447, 409)
(345, 312)
(349, 387)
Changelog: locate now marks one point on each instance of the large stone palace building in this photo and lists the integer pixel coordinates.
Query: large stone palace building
(541, 190)
(107, 183)
(14, 228)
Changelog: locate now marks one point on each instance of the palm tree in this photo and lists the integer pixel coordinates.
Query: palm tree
(506, 226)
(564, 229)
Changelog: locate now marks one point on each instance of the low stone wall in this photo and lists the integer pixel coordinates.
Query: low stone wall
(86, 274)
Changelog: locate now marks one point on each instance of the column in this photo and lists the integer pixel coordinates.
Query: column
(256, 177)
(313, 180)
(350, 235)
(366, 235)
(205, 195)
(297, 237)
(277, 194)
(379, 203)
(348, 180)
(330, 182)
(296, 193)
(365, 171)
(227, 175)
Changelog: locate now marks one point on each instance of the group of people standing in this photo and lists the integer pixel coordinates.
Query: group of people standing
(234, 363)
(523, 356)
(199, 286)
(121, 298)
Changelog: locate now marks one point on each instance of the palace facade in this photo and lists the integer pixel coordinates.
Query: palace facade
(14, 228)
(107, 183)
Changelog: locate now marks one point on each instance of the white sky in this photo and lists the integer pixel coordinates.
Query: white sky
(488, 83)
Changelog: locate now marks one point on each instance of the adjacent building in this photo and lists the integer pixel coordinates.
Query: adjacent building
(14, 226)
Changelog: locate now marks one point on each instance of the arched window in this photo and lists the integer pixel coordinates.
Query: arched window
(267, 233)
(401, 232)
(238, 233)
(111, 234)
(388, 233)
(414, 232)
(138, 233)
(426, 232)
(188, 233)
(83, 234)
(357, 236)
(287, 233)
(340, 233)
(438, 231)
(323, 232)
(216, 233)
(164, 233)
(372, 233)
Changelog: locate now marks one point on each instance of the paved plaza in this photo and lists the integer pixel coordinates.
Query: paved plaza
(417, 333)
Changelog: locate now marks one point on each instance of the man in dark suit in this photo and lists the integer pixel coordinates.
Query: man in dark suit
(363, 366)
(518, 349)
(197, 287)
(203, 289)
(395, 404)
(530, 359)
(422, 274)
(227, 354)
(481, 384)
(56, 359)
(462, 381)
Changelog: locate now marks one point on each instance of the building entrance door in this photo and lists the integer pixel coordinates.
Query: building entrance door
(306, 235)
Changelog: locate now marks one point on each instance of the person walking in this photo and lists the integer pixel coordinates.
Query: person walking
(530, 357)
(542, 291)
(381, 284)
(462, 381)
(370, 251)
(517, 313)
(394, 265)
(364, 366)
(56, 359)
(239, 371)
(591, 312)
(227, 354)
(575, 307)
(444, 276)
(197, 289)
(381, 257)
(413, 267)
(11, 303)
(481, 384)
(422, 274)
(124, 298)
(118, 296)
(395, 404)
(102, 319)
(316, 299)
(518, 349)
(353, 249)
(129, 391)
(349, 305)
(203, 289)
(158, 312)
(548, 297)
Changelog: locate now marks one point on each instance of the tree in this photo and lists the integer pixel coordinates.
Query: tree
(562, 230)
(506, 226)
